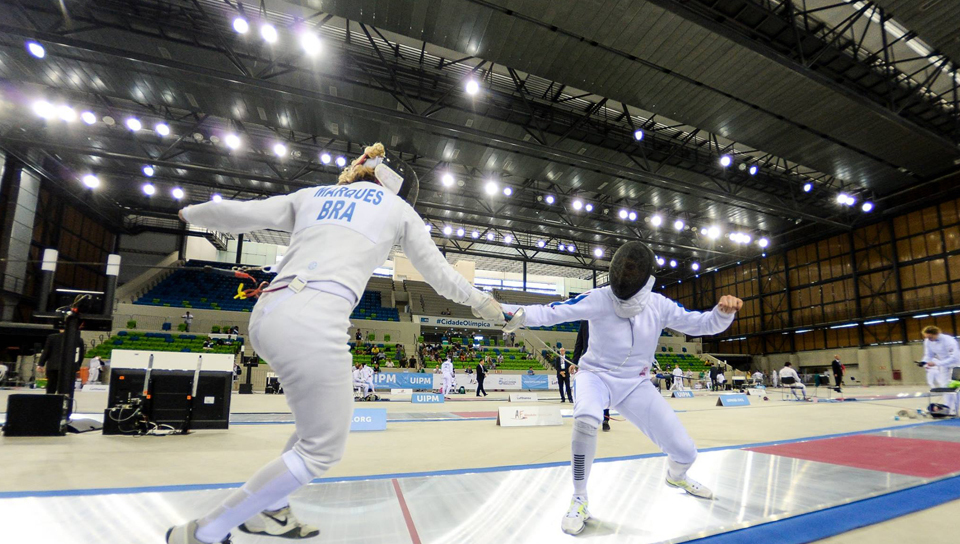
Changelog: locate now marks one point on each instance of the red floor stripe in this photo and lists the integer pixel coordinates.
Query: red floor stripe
(406, 513)
(913, 457)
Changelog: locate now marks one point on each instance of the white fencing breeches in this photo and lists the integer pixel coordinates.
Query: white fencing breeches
(640, 403)
(944, 375)
(933, 377)
(303, 337)
(447, 385)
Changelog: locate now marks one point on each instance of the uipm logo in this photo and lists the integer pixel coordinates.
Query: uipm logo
(424, 319)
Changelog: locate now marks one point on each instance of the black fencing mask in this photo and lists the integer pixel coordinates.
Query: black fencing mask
(630, 269)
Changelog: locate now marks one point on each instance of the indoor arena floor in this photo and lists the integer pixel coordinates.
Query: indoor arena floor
(782, 472)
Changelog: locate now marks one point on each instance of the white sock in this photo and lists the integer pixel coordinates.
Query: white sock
(272, 483)
(677, 472)
(584, 448)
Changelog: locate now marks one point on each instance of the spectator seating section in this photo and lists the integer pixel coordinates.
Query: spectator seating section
(513, 359)
(155, 341)
(211, 291)
(685, 361)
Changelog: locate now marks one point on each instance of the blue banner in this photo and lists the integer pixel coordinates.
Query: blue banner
(537, 381)
(426, 398)
(733, 400)
(683, 394)
(369, 419)
(402, 380)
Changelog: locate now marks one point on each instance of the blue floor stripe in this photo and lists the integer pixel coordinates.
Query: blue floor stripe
(449, 472)
(846, 517)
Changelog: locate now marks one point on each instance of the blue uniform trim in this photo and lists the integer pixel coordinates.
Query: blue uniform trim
(571, 301)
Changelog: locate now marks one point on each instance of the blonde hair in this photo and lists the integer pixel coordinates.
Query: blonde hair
(930, 329)
(361, 172)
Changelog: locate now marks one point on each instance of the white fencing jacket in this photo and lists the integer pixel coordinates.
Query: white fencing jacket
(340, 233)
(447, 369)
(623, 346)
(945, 352)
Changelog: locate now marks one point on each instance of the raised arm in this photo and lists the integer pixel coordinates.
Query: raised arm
(242, 216)
(699, 323)
(427, 259)
(579, 308)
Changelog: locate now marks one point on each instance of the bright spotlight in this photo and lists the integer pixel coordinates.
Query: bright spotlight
(241, 25)
(88, 117)
(673, 263)
(632, 216)
(571, 248)
(162, 129)
(148, 171)
(36, 49)
(269, 33)
(491, 188)
(472, 87)
(842, 199)
(460, 232)
(713, 233)
(597, 252)
(561, 247)
(475, 234)
(638, 135)
(746, 238)
(867, 207)
(678, 224)
(448, 230)
(550, 199)
(656, 220)
(807, 187)
(703, 231)
(588, 206)
(490, 236)
(660, 261)
(279, 150)
(149, 189)
(447, 180)
(216, 198)
(177, 193)
(507, 191)
(695, 266)
(507, 239)
(325, 158)
(623, 214)
(310, 43)
(341, 161)
(753, 170)
(91, 181)
(851, 200)
(541, 243)
(232, 141)
(134, 124)
(726, 160)
(66, 113)
(43, 109)
(578, 205)
(763, 242)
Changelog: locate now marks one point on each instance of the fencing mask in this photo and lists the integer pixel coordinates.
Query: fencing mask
(398, 177)
(631, 269)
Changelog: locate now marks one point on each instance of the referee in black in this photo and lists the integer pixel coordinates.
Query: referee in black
(583, 336)
(52, 360)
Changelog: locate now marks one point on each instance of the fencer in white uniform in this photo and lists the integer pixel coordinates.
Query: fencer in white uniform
(788, 372)
(366, 376)
(446, 369)
(339, 235)
(358, 386)
(677, 384)
(625, 321)
(942, 354)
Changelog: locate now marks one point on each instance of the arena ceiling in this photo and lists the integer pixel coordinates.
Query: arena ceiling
(807, 100)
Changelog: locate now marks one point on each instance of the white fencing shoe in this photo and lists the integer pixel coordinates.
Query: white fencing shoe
(184, 534)
(692, 487)
(280, 523)
(576, 517)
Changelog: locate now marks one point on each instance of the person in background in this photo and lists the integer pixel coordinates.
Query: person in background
(758, 378)
(563, 375)
(721, 379)
(677, 379)
(837, 368)
(714, 372)
(366, 374)
(207, 344)
(530, 371)
(237, 371)
(389, 363)
(942, 353)
(96, 366)
(235, 330)
(51, 358)
(775, 378)
(446, 369)
(3, 373)
(187, 320)
(481, 375)
(499, 359)
(376, 368)
(788, 372)
(359, 337)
